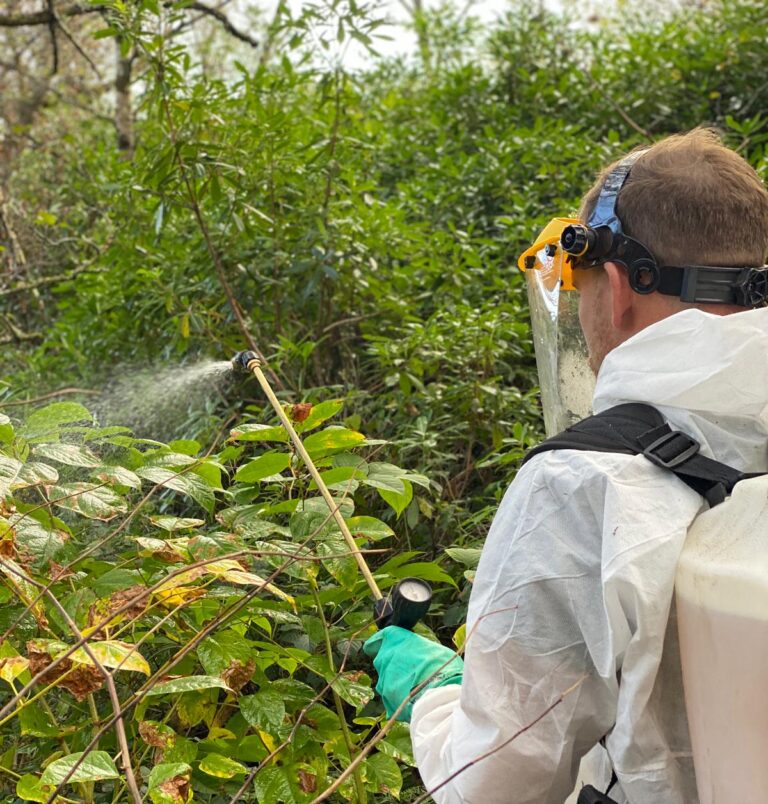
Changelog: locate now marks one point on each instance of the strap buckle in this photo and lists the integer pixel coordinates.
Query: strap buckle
(674, 454)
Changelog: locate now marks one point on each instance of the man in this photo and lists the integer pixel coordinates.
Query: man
(572, 637)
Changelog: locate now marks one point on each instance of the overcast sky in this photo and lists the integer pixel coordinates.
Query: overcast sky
(403, 41)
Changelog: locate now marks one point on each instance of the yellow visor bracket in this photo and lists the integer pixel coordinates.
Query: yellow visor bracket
(547, 256)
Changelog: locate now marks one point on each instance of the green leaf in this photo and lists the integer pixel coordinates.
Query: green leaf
(398, 502)
(343, 570)
(341, 478)
(320, 413)
(188, 484)
(118, 476)
(218, 651)
(272, 463)
(468, 556)
(425, 570)
(29, 788)
(259, 432)
(35, 722)
(173, 523)
(272, 786)
(354, 688)
(9, 471)
(385, 476)
(6, 429)
(398, 744)
(188, 684)
(96, 765)
(330, 440)
(383, 775)
(250, 749)
(51, 417)
(41, 542)
(92, 501)
(68, 454)
(370, 527)
(36, 473)
(221, 767)
(185, 446)
(114, 581)
(210, 472)
(264, 710)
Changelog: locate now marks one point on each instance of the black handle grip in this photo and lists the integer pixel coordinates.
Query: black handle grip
(407, 603)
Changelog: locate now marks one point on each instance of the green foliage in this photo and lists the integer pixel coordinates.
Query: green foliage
(368, 225)
(227, 649)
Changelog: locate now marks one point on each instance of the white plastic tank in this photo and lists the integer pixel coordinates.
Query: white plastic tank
(722, 607)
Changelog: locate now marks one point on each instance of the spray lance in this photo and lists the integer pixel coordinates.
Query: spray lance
(410, 598)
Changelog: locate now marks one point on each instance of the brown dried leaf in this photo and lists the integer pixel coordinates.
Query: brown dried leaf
(102, 609)
(237, 675)
(8, 544)
(177, 789)
(300, 411)
(137, 607)
(81, 681)
(40, 659)
(154, 737)
(307, 781)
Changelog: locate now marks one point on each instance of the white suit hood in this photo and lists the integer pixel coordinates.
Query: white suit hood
(707, 374)
(575, 586)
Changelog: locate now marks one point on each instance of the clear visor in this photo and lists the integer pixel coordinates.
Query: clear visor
(566, 380)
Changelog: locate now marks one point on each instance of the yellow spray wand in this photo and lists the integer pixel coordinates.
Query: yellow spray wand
(410, 598)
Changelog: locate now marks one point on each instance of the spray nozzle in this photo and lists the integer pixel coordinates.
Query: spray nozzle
(242, 360)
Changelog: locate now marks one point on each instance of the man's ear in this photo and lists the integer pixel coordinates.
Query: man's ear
(622, 296)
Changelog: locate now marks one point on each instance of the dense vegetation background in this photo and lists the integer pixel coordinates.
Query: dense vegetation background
(176, 185)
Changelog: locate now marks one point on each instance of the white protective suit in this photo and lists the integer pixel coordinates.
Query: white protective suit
(576, 581)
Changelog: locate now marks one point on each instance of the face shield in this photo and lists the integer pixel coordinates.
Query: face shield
(566, 380)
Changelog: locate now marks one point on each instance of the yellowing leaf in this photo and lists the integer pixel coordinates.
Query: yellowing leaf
(178, 595)
(114, 654)
(460, 636)
(332, 439)
(12, 667)
(221, 767)
(268, 740)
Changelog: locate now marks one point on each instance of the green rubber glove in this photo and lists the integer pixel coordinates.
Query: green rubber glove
(403, 660)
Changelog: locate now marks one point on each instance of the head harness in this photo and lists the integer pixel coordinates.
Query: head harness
(602, 240)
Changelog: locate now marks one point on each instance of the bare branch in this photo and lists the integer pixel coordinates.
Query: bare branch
(225, 21)
(52, 22)
(45, 17)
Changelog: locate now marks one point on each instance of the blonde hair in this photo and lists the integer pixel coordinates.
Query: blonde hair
(692, 201)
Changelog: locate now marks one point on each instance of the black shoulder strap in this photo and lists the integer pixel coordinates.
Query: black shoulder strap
(638, 429)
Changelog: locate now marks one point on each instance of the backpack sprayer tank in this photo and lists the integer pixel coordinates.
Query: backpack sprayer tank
(722, 612)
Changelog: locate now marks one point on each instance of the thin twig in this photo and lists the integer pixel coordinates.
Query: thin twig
(51, 395)
(503, 744)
